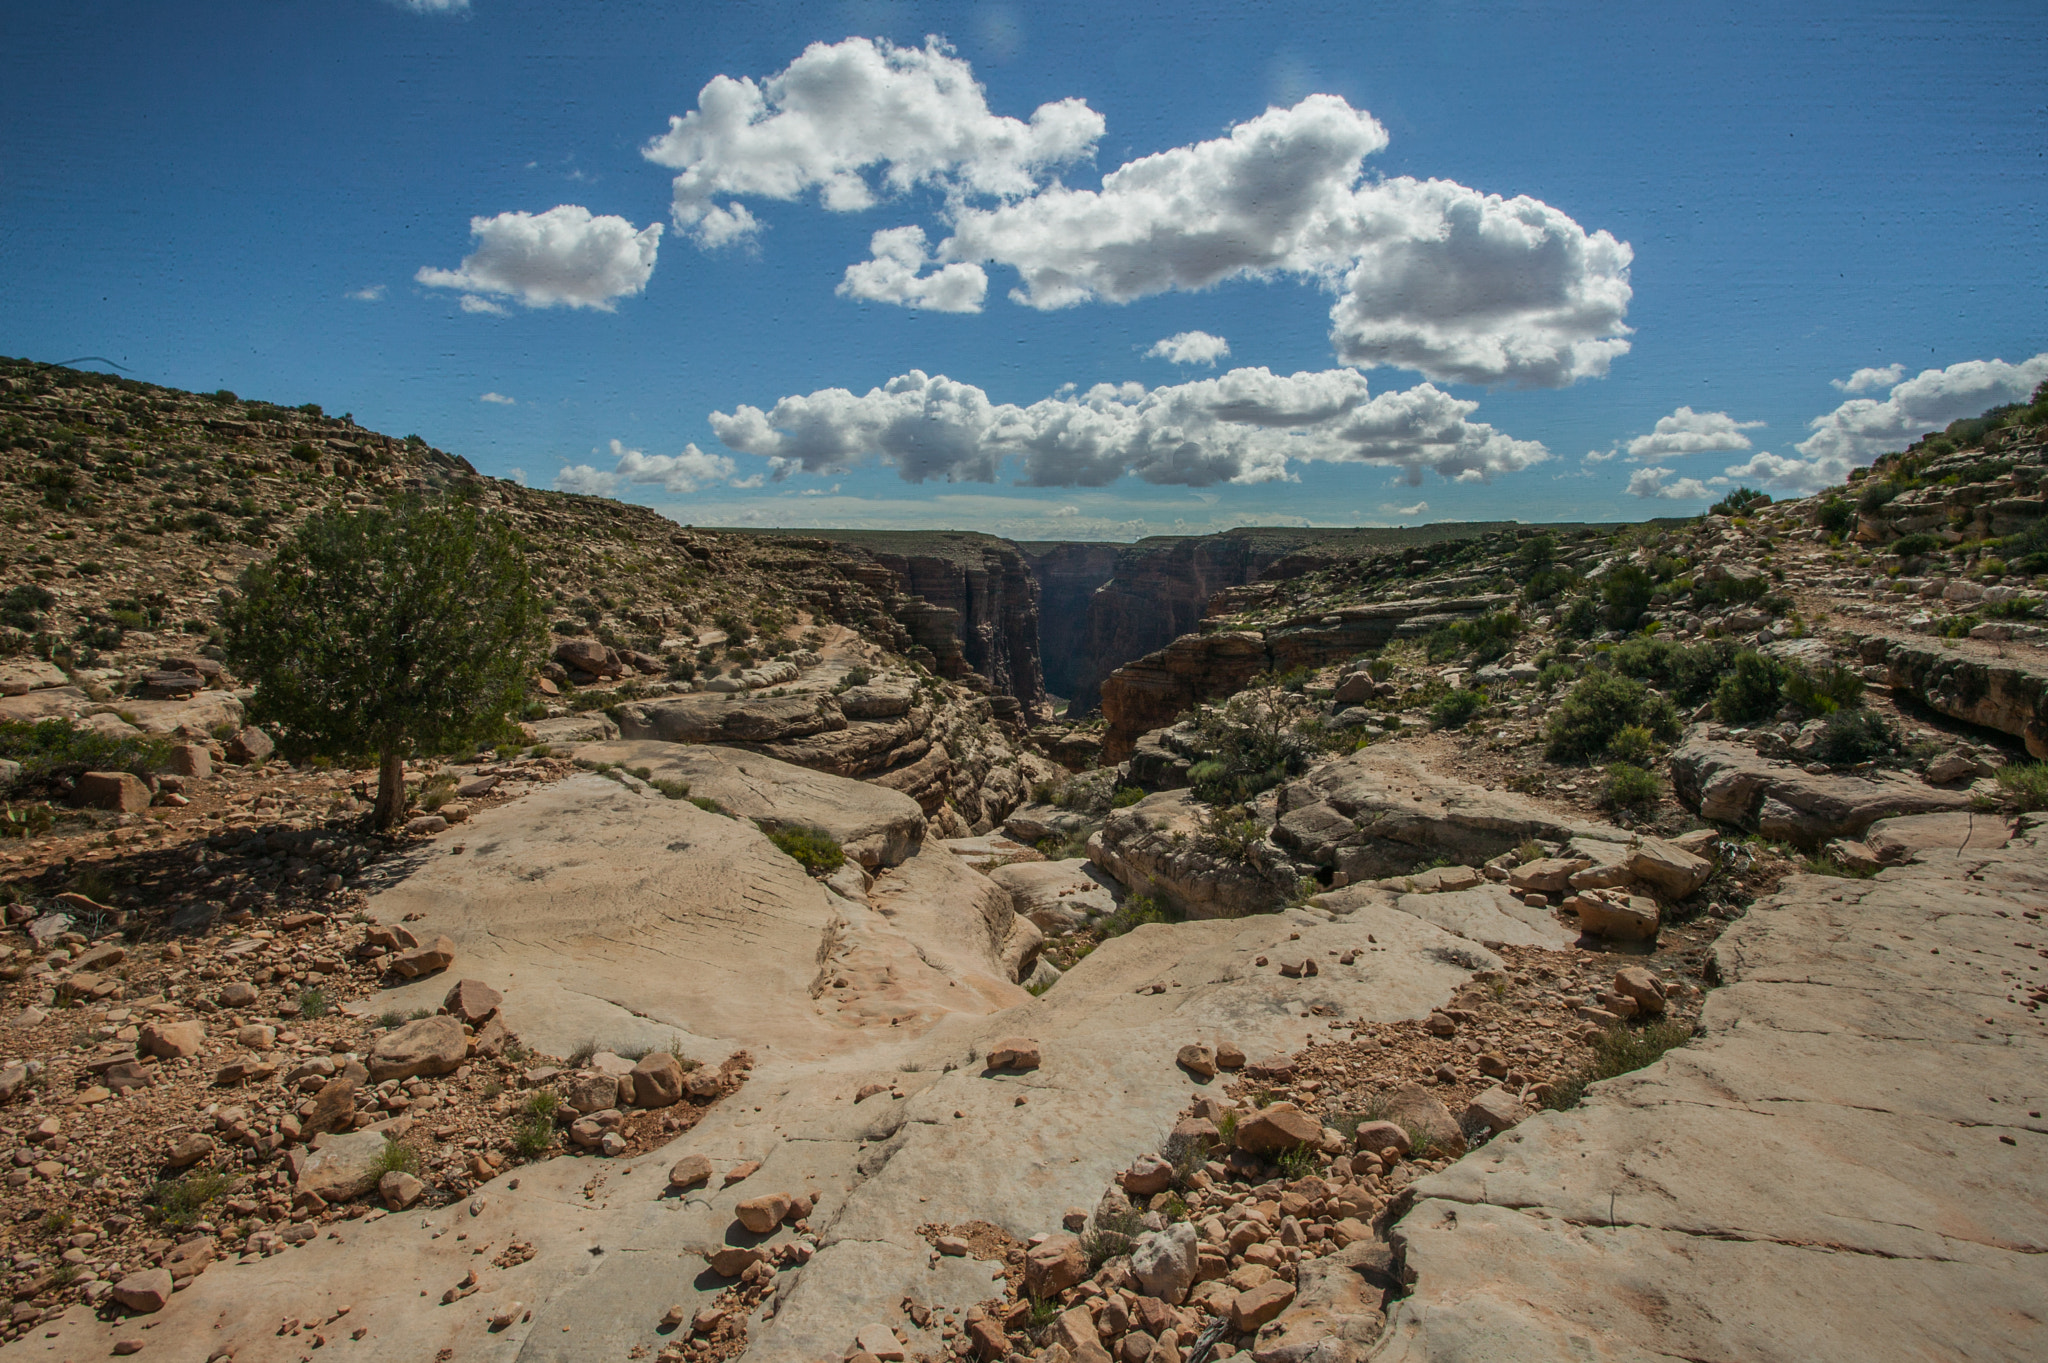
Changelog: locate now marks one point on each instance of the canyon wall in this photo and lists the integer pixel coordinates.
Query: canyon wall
(1069, 574)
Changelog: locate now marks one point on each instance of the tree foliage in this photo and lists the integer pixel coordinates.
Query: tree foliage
(387, 634)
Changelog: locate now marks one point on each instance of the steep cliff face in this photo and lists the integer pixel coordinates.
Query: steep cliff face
(970, 600)
(1069, 574)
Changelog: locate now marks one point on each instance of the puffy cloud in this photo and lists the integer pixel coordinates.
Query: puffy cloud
(1864, 427)
(1430, 275)
(565, 257)
(1191, 347)
(1659, 483)
(911, 116)
(1688, 432)
(499, 399)
(1245, 426)
(677, 474)
(1782, 474)
(892, 276)
(1863, 380)
(369, 293)
(1415, 510)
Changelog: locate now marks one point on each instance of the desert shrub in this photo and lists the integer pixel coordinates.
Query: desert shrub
(2025, 784)
(533, 1136)
(1579, 618)
(1629, 787)
(55, 749)
(1907, 546)
(1740, 502)
(23, 606)
(812, 848)
(1454, 710)
(1751, 689)
(1297, 1163)
(2027, 551)
(1125, 796)
(1135, 911)
(1823, 690)
(1554, 675)
(1619, 1050)
(1599, 708)
(395, 1158)
(314, 1003)
(1633, 744)
(1834, 515)
(1688, 673)
(1256, 742)
(178, 1203)
(1486, 638)
(1852, 736)
(1624, 595)
(1232, 833)
(1878, 492)
(1112, 1234)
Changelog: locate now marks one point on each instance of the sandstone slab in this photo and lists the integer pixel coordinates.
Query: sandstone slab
(1731, 784)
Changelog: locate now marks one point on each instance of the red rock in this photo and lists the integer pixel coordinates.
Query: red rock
(1014, 1053)
(472, 1000)
(118, 790)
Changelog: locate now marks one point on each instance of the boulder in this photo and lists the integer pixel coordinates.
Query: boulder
(190, 760)
(399, 1190)
(1374, 1137)
(657, 1080)
(1640, 985)
(691, 1171)
(1417, 1111)
(425, 960)
(712, 718)
(1058, 896)
(1164, 1262)
(472, 1000)
(1675, 872)
(116, 790)
(172, 1040)
(1281, 1126)
(345, 1165)
(1615, 915)
(589, 657)
(1251, 1309)
(1014, 1053)
(1147, 1176)
(429, 1046)
(144, 1293)
(1197, 1059)
(1731, 784)
(334, 1106)
(763, 1214)
(1155, 843)
(1497, 1108)
(250, 747)
(188, 1150)
(1546, 875)
(1054, 1265)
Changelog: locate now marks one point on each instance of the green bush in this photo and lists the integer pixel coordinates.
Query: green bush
(2027, 551)
(1455, 709)
(813, 848)
(55, 749)
(1486, 638)
(1599, 708)
(178, 1203)
(1579, 618)
(1852, 736)
(1135, 911)
(1823, 690)
(1625, 594)
(1635, 745)
(1740, 502)
(1555, 675)
(1627, 786)
(1908, 546)
(1876, 493)
(2025, 784)
(1834, 515)
(1619, 1050)
(1125, 796)
(1689, 673)
(1751, 689)
(671, 788)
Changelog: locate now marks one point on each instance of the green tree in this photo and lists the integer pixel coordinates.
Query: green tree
(385, 634)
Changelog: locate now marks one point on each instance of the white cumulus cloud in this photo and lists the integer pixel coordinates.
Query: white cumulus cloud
(565, 257)
(1190, 347)
(855, 120)
(677, 474)
(1780, 473)
(1688, 432)
(1245, 426)
(1415, 510)
(1862, 428)
(1429, 275)
(1863, 380)
(891, 276)
(1660, 483)
(498, 399)
(369, 293)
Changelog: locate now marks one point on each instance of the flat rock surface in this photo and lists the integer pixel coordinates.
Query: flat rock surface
(1846, 1166)
(876, 827)
(1491, 915)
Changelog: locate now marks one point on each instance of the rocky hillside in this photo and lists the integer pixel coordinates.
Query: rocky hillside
(1412, 904)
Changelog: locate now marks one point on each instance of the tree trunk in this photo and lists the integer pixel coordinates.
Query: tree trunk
(390, 789)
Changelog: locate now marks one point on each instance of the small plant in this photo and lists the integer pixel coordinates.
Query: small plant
(1750, 690)
(1226, 1128)
(1299, 1162)
(1619, 1050)
(812, 848)
(1036, 988)
(2025, 784)
(313, 1003)
(671, 788)
(177, 1203)
(1456, 709)
(1634, 745)
(533, 1136)
(1629, 787)
(1599, 708)
(707, 804)
(395, 1158)
(55, 1223)
(1529, 850)
(1138, 909)
(1741, 502)
(1851, 736)
(1042, 1313)
(1111, 1235)
(1823, 690)
(1125, 796)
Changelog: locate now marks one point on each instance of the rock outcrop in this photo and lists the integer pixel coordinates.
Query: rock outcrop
(1159, 847)
(1979, 682)
(1730, 784)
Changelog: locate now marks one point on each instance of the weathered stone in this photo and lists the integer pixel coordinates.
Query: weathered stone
(1731, 784)
(657, 1080)
(763, 1214)
(1675, 872)
(1615, 915)
(1014, 1053)
(1054, 1265)
(118, 790)
(346, 1165)
(1546, 875)
(1198, 1059)
(1249, 1310)
(1147, 1175)
(1642, 988)
(691, 1171)
(334, 1106)
(144, 1293)
(238, 995)
(399, 1190)
(472, 1000)
(425, 960)
(1382, 1135)
(1164, 1262)
(1416, 1110)
(1280, 1126)
(250, 747)
(429, 1046)
(172, 1040)
(188, 1150)
(1497, 1108)
(733, 1260)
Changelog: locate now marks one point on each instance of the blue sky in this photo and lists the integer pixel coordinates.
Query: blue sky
(1452, 249)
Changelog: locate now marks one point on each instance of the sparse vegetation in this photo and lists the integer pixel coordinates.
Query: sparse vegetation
(1599, 708)
(1619, 1050)
(812, 848)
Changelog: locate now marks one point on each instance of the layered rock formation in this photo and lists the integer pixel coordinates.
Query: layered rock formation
(1069, 575)
(1981, 683)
